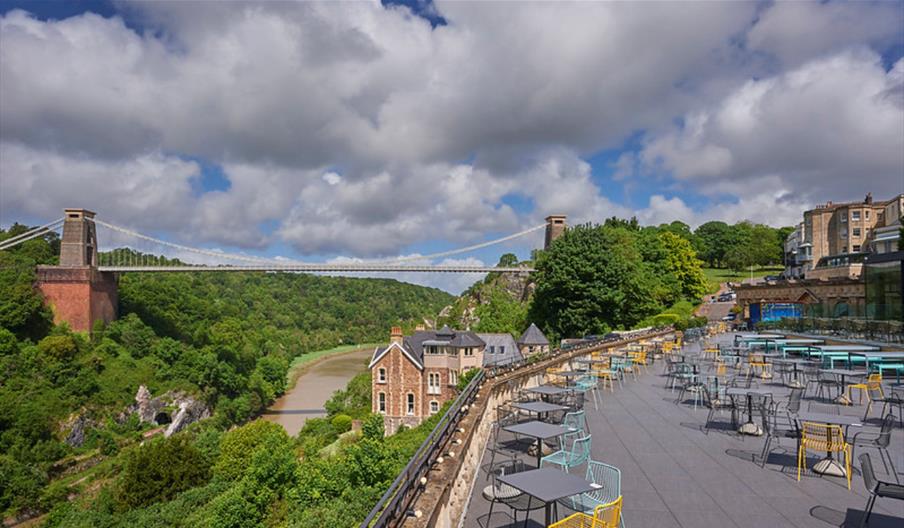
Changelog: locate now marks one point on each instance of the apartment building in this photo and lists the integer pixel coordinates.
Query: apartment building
(834, 230)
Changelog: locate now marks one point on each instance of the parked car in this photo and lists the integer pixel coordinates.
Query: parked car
(773, 278)
(728, 297)
(730, 317)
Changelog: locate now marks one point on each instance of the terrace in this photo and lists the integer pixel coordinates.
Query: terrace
(676, 474)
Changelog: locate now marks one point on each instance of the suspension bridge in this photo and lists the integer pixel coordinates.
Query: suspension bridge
(83, 288)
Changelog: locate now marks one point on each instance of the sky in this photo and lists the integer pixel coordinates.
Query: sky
(327, 131)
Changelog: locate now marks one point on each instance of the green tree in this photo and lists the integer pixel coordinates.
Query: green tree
(682, 263)
(716, 239)
(593, 279)
(500, 313)
(238, 447)
(160, 470)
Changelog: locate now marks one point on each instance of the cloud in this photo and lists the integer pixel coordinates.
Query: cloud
(832, 128)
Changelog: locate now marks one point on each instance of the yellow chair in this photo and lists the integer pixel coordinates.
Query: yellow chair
(758, 361)
(863, 387)
(824, 438)
(604, 516)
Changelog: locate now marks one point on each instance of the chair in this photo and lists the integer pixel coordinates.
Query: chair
(874, 393)
(498, 492)
(608, 480)
(861, 387)
(714, 401)
(508, 449)
(569, 458)
(825, 438)
(604, 516)
(575, 421)
(879, 442)
(876, 488)
(825, 383)
(777, 425)
(586, 384)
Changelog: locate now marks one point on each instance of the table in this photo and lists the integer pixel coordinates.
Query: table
(795, 378)
(547, 485)
(539, 407)
(548, 390)
(828, 465)
(569, 373)
(539, 430)
(877, 355)
(842, 398)
(749, 428)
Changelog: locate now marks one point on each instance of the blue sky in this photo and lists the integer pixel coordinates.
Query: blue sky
(318, 130)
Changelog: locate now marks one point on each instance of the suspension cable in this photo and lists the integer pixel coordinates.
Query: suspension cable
(30, 234)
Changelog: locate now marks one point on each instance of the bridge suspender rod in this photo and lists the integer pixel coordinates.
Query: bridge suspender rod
(30, 234)
(465, 249)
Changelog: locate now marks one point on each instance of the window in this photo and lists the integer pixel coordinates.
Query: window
(453, 377)
(844, 234)
(857, 248)
(469, 351)
(410, 410)
(502, 349)
(433, 383)
(381, 375)
(381, 402)
(434, 406)
(855, 216)
(492, 349)
(866, 214)
(844, 217)
(856, 232)
(432, 350)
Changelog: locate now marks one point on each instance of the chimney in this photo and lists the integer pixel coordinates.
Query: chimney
(419, 328)
(869, 198)
(395, 336)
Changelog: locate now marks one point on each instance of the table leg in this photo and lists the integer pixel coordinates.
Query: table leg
(830, 466)
(842, 398)
(750, 428)
(548, 514)
(539, 451)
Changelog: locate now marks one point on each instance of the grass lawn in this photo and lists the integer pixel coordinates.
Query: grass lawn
(304, 361)
(716, 276)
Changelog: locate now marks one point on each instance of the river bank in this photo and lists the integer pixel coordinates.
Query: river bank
(313, 383)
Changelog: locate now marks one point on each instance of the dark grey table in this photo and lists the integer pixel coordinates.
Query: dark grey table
(828, 465)
(548, 390)
(749, 428)
(539, 430)
(547, 485)
(843, 373)
(539, 407)
(569, 373)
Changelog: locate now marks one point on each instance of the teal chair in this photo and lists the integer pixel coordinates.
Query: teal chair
(588, 384)
(569, 458)
(607, 481)
(575, 421)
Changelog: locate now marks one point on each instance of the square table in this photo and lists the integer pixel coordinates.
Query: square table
(795, 374)
(539, 407)
(548, 390)
(749, 428)
(569, 373)
(548, 485)
(539, 430)
(828, 465)
(843, 373)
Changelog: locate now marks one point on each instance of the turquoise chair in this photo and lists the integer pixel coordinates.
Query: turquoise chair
(608, 480)
(569, 458)
(574, 421)
(588, 384)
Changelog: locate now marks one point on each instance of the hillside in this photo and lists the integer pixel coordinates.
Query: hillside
(498, 303)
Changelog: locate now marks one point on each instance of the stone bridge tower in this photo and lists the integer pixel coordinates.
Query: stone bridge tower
(555, 226)
(75, 290)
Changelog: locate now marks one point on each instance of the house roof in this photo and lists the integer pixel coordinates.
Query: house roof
(413, 345)
(503, 346)
(533, 336)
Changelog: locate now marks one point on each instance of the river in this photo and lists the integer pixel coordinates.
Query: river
(314, 387)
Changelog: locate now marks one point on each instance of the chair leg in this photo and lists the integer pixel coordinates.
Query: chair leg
(765, 452)
(868, 510)
(894, 471)
(801, 452)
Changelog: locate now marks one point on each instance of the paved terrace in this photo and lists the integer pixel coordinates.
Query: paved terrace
(674, 475)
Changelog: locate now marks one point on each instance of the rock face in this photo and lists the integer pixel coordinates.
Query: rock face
(461, 314)
(159, 410)
(190, 411)
(79, 428)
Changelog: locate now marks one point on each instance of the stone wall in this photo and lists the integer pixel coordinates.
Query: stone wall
(402, 377)
(78, 296)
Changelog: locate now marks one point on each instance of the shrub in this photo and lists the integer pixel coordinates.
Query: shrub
(160, 470)
(341, 423)
(239, 445)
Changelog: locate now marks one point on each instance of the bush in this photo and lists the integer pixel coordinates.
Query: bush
(239, 446)
(159, 470)
(341, 423)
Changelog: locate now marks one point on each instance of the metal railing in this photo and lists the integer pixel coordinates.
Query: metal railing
(393, 505)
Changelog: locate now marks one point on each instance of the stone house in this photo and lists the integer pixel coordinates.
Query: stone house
(532, 341)
(500, 349)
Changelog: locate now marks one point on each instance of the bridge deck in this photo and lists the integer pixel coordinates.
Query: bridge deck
(674, 475)
(321, 268)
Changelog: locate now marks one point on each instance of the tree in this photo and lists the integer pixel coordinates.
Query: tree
(682, 263)
(159, 471)
(593, 279)
(238, 446)
(716, 239)
(500, 313)
(507, 260)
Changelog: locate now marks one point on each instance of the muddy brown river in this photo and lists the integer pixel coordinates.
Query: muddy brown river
(314, 387)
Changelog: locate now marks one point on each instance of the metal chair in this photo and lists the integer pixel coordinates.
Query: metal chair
(861, 387)
(777, 425)
(825, 438)
(608, 480)
(499, 492)
(575, 421)
(879, 442)
(876, 488)
(715, 401)
(569, 458)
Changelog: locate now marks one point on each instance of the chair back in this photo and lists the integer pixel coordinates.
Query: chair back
(869, 476)
(580, 450)
(607, 477)
(794, 400)
(884, 438)
(822, 437)
(574, 420)
(608, 515)
(874, 390)
(509, 467)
